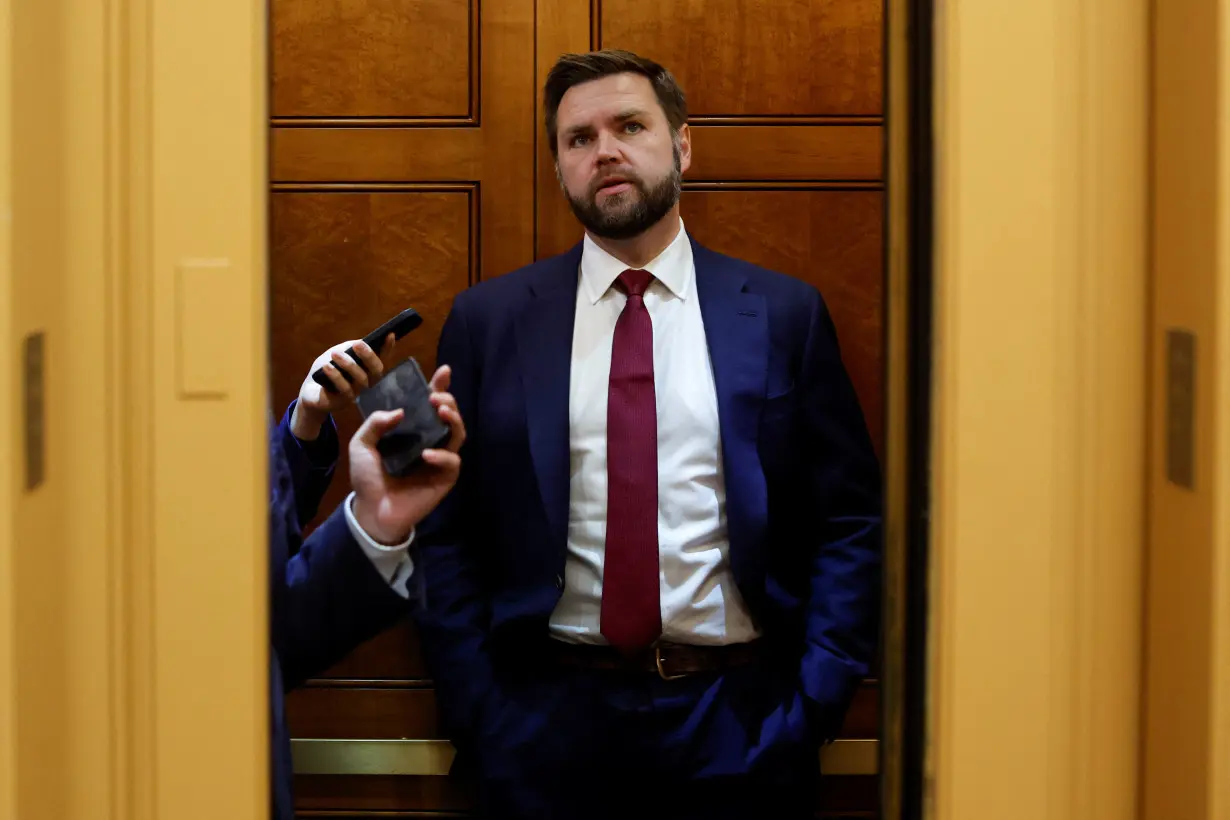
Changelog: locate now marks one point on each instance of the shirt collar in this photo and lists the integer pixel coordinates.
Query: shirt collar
(672, 267)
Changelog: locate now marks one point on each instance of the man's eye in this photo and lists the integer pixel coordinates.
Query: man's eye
(633, 127)
(578, 141)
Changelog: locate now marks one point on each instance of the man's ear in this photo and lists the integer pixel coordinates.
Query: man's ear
(685, 148)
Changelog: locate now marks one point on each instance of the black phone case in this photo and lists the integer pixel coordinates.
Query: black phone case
(405, 388)
(399, 326)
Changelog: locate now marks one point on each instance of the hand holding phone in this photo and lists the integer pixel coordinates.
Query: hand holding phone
(389, 507)
(314, 404)
(405, 388)
(399, 326)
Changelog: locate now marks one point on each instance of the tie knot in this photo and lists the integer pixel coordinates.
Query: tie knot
(635, 282)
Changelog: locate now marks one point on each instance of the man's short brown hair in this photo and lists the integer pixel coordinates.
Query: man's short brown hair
(574, 69)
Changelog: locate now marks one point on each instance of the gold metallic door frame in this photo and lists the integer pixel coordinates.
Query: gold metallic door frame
(434, 758)
(1186, 725)
(1041, 195)
(907, 51)
(132, 237)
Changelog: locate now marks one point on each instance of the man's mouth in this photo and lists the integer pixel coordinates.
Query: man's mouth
(614, 185)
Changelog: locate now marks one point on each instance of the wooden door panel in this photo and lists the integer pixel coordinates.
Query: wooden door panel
(364, 712)
(346, 260)
(376, 155)
(334, 795)
(395, 710)
(720, 153)
(391, 656)
(404, 59)
(737, 152)
(747, 58)
(830, 238)
(839, 797)
(394, 132)
(408, 161)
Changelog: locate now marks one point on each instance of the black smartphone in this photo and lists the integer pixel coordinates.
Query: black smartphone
(399, 326)
(405, 388)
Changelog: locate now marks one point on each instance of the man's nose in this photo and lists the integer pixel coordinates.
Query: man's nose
(608, 147)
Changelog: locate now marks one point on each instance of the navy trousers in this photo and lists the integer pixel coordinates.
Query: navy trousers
(565, 743)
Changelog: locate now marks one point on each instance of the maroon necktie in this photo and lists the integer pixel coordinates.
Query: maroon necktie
(631, 611)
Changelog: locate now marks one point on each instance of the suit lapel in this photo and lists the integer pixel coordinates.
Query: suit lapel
(737, 332)
(544, 348)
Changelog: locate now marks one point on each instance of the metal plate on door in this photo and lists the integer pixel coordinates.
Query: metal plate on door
(35, 409)
(1181, 407)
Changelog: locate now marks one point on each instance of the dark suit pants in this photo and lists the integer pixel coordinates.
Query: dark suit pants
(566, 743)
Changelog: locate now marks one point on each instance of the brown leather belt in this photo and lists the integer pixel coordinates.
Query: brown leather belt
(670, 661)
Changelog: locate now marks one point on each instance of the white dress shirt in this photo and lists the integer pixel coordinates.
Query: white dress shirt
(393, 563)
(699, 599)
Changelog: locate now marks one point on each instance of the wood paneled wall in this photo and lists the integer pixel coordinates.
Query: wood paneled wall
(408, 161)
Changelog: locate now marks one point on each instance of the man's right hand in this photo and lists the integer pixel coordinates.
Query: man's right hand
(389, 508)
(315, 403)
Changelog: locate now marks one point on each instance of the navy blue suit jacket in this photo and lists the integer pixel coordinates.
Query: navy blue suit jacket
(326, 598)
(802, 481)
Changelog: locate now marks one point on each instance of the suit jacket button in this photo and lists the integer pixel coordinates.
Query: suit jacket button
(559, 582)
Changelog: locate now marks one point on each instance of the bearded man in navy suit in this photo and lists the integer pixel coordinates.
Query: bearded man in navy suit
(655, 588)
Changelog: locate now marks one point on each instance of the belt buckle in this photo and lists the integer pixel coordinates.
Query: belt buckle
(657, 659)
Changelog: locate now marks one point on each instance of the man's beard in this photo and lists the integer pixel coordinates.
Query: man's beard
(626, 215)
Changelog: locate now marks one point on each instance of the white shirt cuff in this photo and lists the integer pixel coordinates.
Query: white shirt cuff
(393, 563)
